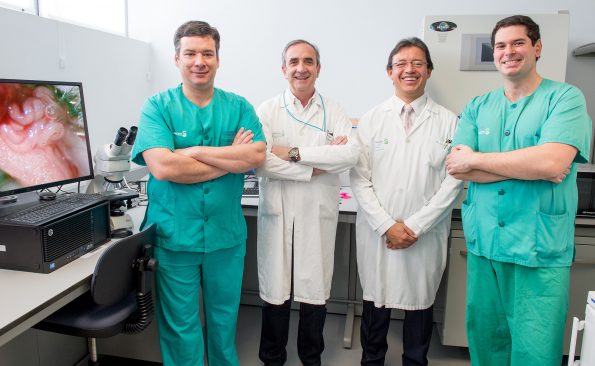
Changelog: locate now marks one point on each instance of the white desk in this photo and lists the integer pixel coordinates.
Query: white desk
(347, 205)
(28, 298)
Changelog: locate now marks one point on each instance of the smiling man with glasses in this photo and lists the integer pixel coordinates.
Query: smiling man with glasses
(416, 64)
(405, 199)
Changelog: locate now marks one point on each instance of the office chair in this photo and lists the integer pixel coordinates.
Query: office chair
(119, 300)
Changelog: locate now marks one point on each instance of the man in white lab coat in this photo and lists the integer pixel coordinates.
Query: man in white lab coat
(405, 201)
(308, 144)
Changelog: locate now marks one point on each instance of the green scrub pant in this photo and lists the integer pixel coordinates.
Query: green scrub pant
(515, 314)
(179, 278)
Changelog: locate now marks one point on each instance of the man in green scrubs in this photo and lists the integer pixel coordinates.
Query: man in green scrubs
(197, 141)
(519, 147)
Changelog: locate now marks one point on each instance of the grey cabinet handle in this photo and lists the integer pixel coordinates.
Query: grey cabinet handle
(588, 262)
(463, 253)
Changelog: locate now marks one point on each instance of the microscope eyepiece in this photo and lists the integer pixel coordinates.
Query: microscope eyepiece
(132, 135)
(120, 136)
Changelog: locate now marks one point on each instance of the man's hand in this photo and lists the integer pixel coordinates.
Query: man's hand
(399, 236)
(548, 162)
(316, 171)
(282, 152)
(560, 177)
(479, 176)
(460, 160)
(339, 140)
(243, 137)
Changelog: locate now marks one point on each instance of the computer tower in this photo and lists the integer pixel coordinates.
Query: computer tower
(46, 247)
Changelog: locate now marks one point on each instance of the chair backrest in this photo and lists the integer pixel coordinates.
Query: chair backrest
(114, 276)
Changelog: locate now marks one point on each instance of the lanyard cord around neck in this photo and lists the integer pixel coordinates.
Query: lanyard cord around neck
(323, 129)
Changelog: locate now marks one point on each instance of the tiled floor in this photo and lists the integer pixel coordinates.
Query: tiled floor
(248, 337)
(335, 355)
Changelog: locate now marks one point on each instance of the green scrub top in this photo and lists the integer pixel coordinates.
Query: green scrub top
(199, 217)
(527, 222)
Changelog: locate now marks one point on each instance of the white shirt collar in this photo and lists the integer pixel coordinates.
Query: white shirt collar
(291, 99)
(418, 105)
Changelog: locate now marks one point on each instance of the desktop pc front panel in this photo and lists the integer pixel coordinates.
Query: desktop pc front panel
(49, 246)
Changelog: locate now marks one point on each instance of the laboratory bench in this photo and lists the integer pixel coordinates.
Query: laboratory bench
(29, 297)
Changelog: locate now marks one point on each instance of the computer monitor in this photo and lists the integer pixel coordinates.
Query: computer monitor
(44, 140)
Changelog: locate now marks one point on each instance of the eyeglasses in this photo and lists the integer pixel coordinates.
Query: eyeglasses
(403, 64)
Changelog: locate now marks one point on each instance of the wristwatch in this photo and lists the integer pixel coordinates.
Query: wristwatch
(294, 154)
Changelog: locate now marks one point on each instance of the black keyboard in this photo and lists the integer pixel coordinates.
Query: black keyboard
(251, 191)
(47, 210)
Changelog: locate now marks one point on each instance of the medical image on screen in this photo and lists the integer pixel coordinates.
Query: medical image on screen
(42, 135)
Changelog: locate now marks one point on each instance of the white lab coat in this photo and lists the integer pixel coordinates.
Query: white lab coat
(403, 178)
(293, 203)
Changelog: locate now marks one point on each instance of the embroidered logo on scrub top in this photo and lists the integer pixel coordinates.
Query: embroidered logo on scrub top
(180, 134)
(485, 131)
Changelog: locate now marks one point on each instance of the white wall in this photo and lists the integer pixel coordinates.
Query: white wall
(454, 88)
(354, 37)
(113, 69)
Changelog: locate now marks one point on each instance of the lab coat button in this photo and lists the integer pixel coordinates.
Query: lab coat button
(206, 218)
(501, 192)
(206, 190)
(513, 106)
(501, 224)
(407, 140)
(507, 133)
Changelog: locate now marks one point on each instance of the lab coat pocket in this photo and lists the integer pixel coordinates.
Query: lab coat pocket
(328, 201)
(469, 222)
(270, 202)
(551, 234)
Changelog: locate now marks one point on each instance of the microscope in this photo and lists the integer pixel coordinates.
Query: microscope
(112, 161)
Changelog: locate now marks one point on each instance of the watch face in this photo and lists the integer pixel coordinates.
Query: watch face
(293, 153)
